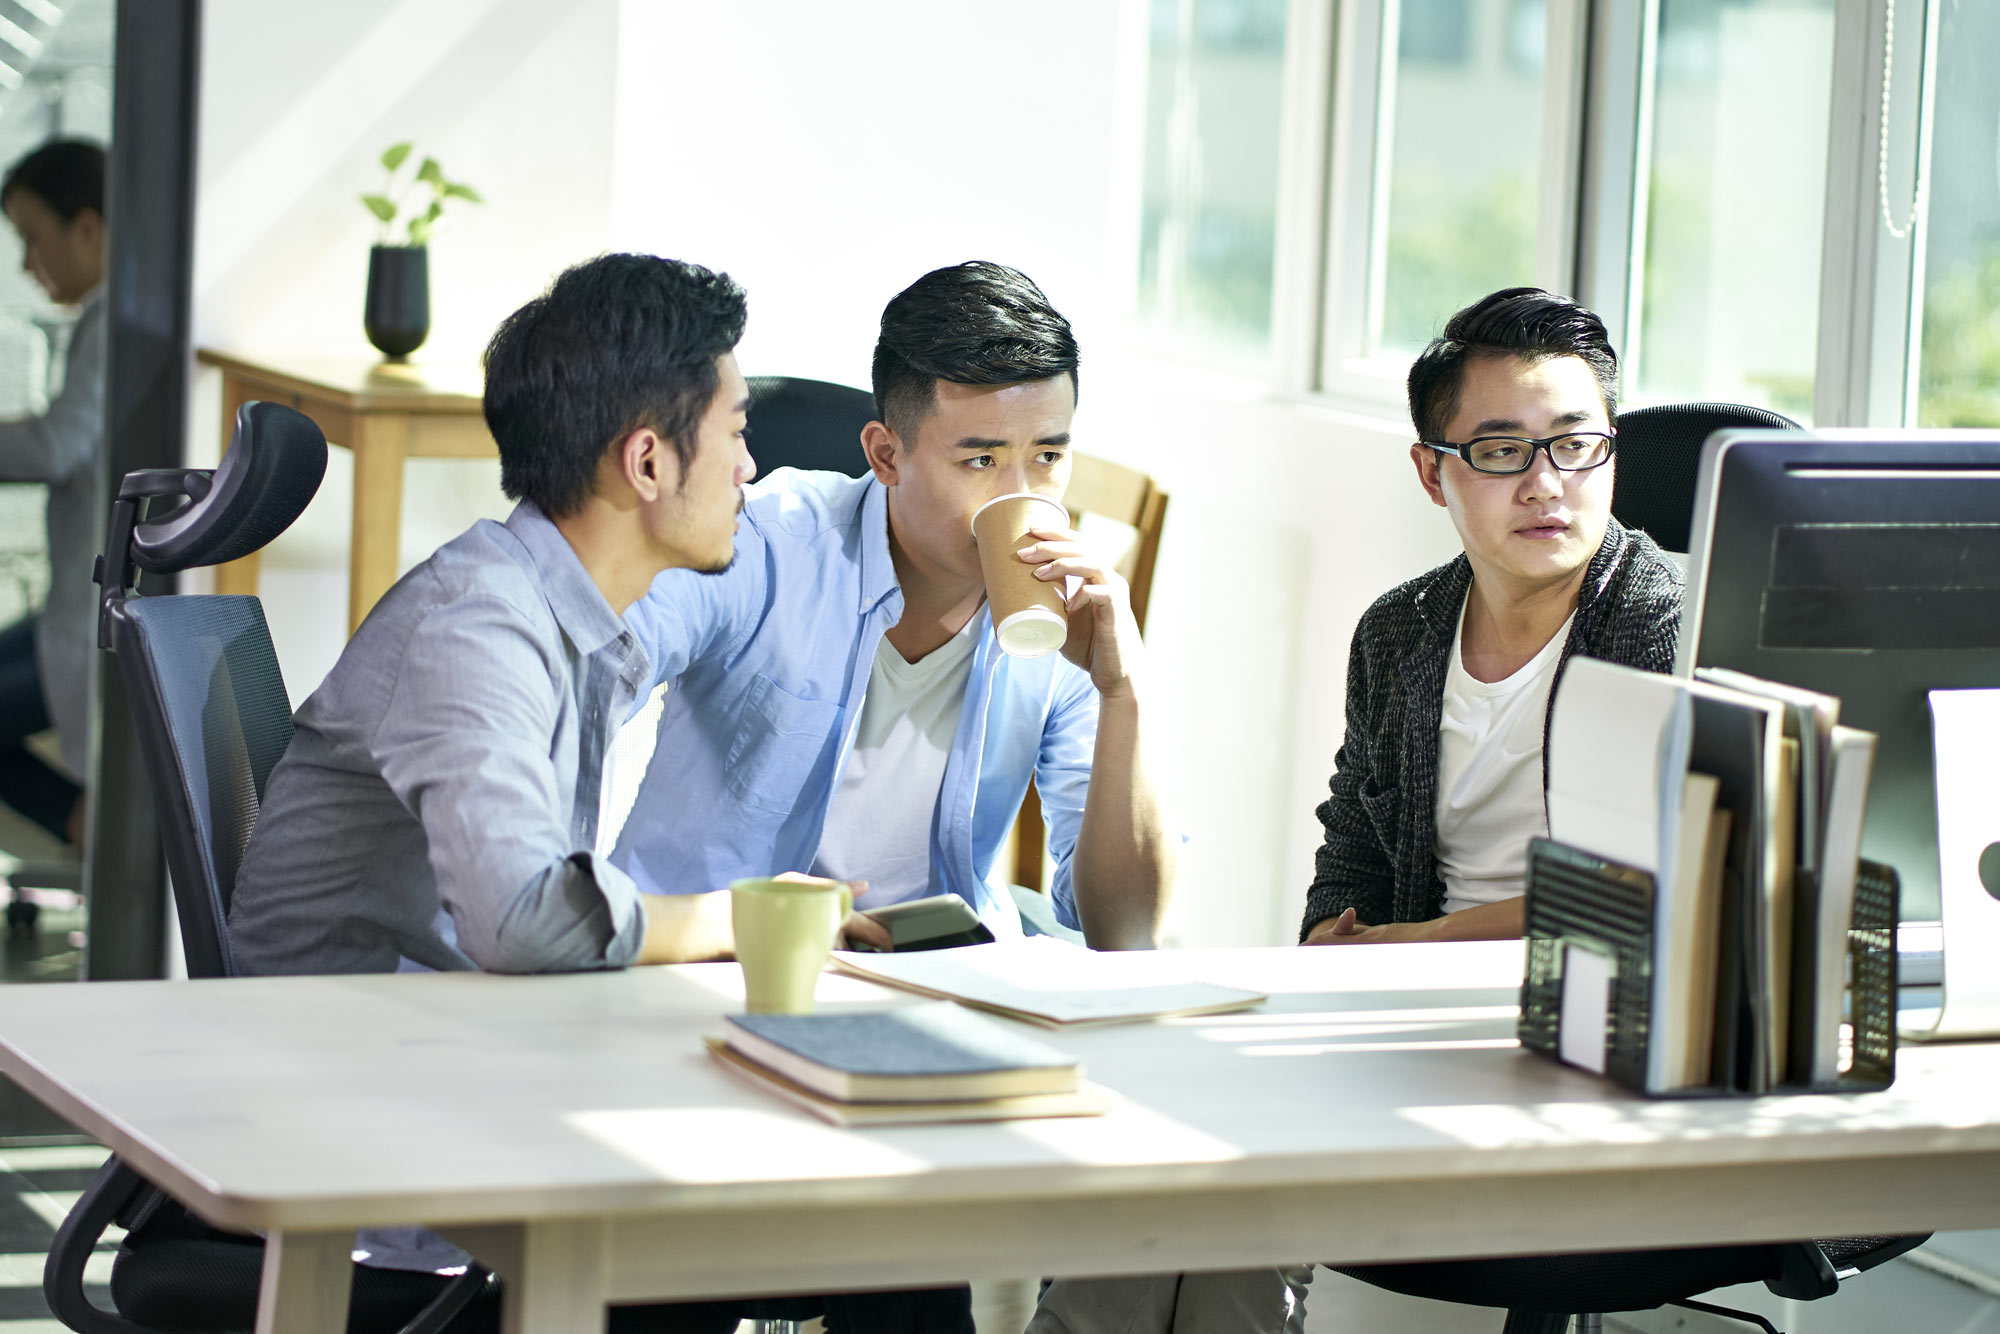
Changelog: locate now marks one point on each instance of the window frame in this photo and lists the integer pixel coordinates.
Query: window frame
(1598, 89)
(1356, 188)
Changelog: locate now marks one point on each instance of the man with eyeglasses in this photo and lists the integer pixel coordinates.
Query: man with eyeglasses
(1439, 783)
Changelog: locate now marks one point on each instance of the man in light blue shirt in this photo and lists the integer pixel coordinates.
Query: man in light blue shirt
(840, 704)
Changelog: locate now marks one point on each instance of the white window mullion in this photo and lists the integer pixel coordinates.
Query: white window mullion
(1358, 145)
(1869, 312)
(1920, 230)
(1610, 205)
(1565, 88)
(1300, 249)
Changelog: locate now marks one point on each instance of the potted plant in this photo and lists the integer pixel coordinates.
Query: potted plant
(397, 314)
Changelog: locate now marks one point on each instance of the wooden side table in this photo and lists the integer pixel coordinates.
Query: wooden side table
(383, 413)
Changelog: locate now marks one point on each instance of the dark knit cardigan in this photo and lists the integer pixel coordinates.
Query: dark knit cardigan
(1380, 853)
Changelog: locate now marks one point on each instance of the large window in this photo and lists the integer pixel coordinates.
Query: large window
(1732, 194)
(1208, 232)
(1959, 366)
(1730, 183)
(1462, 175)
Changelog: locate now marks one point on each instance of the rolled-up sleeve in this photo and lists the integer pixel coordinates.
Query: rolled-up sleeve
(465, 745)
(1062, 780)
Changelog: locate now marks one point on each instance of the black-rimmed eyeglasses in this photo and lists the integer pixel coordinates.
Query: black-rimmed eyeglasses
(1506, 454)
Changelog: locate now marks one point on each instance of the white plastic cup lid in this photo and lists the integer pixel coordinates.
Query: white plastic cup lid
(1032, 633)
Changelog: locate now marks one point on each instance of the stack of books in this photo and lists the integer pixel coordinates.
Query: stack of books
(932, 1061)
(1735, 806)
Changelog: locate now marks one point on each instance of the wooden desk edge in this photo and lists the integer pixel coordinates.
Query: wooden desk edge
(422, 400)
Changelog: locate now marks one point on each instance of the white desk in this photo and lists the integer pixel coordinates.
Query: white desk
(570, 1132)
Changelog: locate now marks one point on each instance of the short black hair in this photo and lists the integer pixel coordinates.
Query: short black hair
(972, 323)
(617, 344)
(1522, 322)
(65, 174)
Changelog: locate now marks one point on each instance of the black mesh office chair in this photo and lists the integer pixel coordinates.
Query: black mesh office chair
(812, 424)
(1543, 1293)
(212, 716)
(1659, 455)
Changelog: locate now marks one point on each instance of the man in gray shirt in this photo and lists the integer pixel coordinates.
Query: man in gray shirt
(438, 805)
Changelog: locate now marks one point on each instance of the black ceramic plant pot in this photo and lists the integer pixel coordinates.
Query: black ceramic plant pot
(398, 313)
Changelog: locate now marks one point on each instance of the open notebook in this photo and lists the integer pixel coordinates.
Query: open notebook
(1051, 982)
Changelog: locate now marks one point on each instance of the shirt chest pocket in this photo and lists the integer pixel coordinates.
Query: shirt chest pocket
(781, 740)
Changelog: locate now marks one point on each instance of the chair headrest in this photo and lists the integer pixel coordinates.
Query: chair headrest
(270, 473)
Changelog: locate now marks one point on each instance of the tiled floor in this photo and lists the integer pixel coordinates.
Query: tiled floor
(44, 1163)
(38, 1183)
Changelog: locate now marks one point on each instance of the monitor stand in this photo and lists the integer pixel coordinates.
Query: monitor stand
(1965, 739)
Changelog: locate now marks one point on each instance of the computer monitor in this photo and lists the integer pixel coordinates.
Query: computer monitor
(1866, 565)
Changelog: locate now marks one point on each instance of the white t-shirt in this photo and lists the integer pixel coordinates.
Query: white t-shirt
(878, 826)
(1489, 776)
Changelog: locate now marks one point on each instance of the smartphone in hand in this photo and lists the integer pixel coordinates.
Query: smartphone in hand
(936, 923)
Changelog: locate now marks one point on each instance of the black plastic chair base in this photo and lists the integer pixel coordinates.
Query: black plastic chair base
(1730, 1313)
(1535, 1322)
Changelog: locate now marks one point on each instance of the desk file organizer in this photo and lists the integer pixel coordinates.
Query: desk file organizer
(1576, 900)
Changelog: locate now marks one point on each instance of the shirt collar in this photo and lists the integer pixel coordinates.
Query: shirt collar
(1442, 596)
(585, 617)
(878, 568)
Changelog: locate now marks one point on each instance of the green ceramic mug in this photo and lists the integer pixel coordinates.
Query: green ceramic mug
(784, 930)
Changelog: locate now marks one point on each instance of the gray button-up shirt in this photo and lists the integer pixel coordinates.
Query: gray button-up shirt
(438, 804)
(63, 448)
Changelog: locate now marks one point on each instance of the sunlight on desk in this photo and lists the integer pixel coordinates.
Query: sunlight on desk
(1631, 1120)
(708, 1144)
(1131, 1135)
(1345, 1023)
(1336, 1048)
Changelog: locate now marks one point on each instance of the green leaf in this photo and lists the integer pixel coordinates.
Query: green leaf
(435, 211)
(380, 206)
(431, 172)
(465, 192)
(393, 155)
(420, 230)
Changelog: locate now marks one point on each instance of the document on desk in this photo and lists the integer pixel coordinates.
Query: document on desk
(1051, 982)
(1850, 765)
(1624, 811)
(1740, 739)
(1629, 812)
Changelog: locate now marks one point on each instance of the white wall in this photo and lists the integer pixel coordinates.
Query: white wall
(297, 103)
(826, 156)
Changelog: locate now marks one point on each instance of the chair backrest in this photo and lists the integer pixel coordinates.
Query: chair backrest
(200, 675)
(210, 708)
(812, 424)
(1659, 456)
(1099, 489)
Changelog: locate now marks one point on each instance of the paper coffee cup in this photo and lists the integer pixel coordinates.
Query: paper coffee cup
(784, 932)
(1028, 614)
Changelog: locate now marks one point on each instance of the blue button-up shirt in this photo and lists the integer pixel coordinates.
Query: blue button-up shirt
(770, 663)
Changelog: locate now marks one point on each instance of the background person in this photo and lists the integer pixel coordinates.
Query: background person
(55, 199)
(1440, 781)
